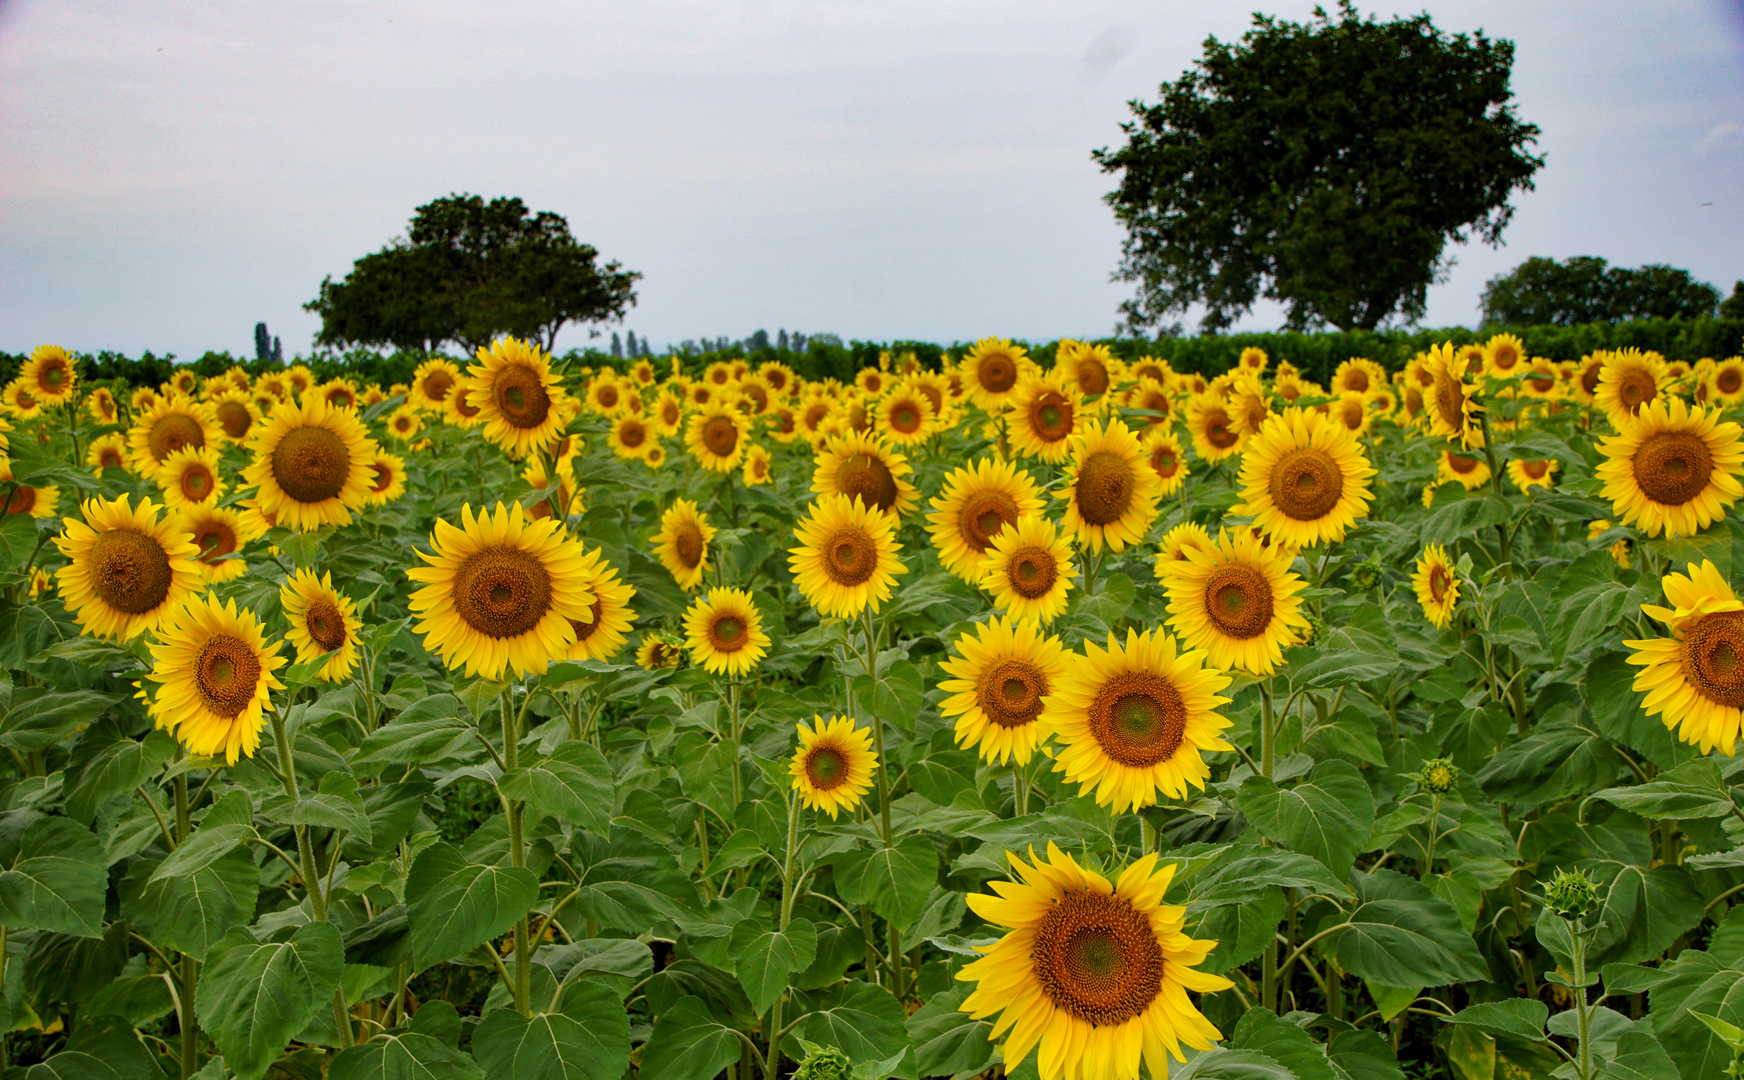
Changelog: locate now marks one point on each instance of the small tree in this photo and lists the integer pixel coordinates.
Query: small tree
(1585, 289)
(1733, 306)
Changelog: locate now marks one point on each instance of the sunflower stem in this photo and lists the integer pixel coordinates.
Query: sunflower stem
(517, 849)
(190, 1030)
(310, 872)
(773, 1060)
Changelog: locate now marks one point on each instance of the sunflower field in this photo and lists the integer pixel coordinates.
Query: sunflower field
(1045, 716)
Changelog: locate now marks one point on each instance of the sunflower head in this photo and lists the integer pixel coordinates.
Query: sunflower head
(682, 543)
(215, 675)
(220, 532)
(170, 424)
(724, 632)
(833, 766)
(1213, 430)
(1449, 401)
(520, 403)
(1045, 412)
(660, 651)
(991, 371)
(716, 436)
(602, 637)
(1629, 379)
(434, 380)
(857, 464)
(1028, 569)
(1436, 582)
(975, 505)
(190, 477)
(1238, 601)
(1305, 479)
(1571, 894)
(323, 623)
(1439, 776)
(1002, 674)
(311, 463)
(128, 567)
(846, 560)
(1672, 468)
(1112, 490)
(51, 374)
(387, 477)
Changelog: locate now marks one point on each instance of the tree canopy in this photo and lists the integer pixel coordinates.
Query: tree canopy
(467, 272)
(1586, 289)
(1326, 165)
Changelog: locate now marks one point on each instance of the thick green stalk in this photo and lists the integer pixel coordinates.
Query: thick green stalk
(787, 893)
(517, 852)
(1268, 760)
(883, 774)
(310, 868)
(190, 1030)
(1583, 1011)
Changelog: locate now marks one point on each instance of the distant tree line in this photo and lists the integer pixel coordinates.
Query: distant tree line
(1585, 289)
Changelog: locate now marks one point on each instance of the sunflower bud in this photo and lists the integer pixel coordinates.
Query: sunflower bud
(1309, 634)
(1365, 575)
(1439, 776)
(1571, 894)
(823, 1063)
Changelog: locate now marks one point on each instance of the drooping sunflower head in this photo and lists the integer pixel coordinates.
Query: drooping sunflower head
(323, 623)
(1238, 601)
(660, 651)
(434, 380)
(219, 534)
(128, 567)
(1045, 411)
(215, 675)
(190, 477)
(682, 543)
(1305, 479)
(169, 424)
(1359, 374)
(311, 463)
(1003, 671)
(1628, 380)
(51, 374)
(1111, 490)
(724, 632)
(847, 559)
(991, 371)
(1673, 468)
(520, 403)
(1028, 569)
(1212, 428)
(857, 464)
(500, 592)
(1436, 582)
(975, 504)
(833, 766)
(1450, 403)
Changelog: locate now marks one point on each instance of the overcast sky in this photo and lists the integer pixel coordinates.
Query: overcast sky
(172, 173)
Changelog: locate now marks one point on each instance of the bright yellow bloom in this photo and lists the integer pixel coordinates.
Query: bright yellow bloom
(1238, 601)
(520, 402)
(1028, 569)
(214, 672)
(857, 464)
(311, 464)
(1003, 670)
(683, 543)
(1111, 490)
(1304, 479)
(847, 556)
(976, 504)
(1694, 680)
(128, 567)
(1436, 582)
(323, 622)
(190, 477)
(603, 637)
(724, 632)
(833, 766)
(1672, 468)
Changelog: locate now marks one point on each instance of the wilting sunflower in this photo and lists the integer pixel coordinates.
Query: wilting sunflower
(603, 637)
(1163, 449)
(724, 632)
(190, 477)
(100, 406)
(1304, 479)
(975, 504)
(833, 765)
(1504, 355)
(1238, 601)
(904, 415)
(128, 567)
(1437, 584)
(1111, 491)
(683, 543)
(1043, 414)
(1028, 569)
(1693, 679)
(170, 424)
(858, 464)
(660, 651)
(1003, 670)
(1094, 973)
(756, 471)
(219, 532)
(387, 477)
(1212, 428)
(991, 371)
(1673, 468)
(434, 380)
(107, 451)
(323, 623)
(1449, 404)
(234, 414)
(716, 436)
(50, 374)
(1528, 474)
(214, 671)
(847, 556)
(311, 464)
(500, 592)
(1628, 380)
(1135, 719)
(521, 404)
(630, 436)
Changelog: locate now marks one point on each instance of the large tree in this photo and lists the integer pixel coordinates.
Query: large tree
(1585, 289)
(467, 272)
(1325, 165)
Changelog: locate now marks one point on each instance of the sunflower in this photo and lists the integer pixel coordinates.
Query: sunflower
(128, 567)
(458, 409)
(519, 401)
(323, 623)
(847, 556)
(1728, 380)
(1003, 671)
(1044, 413)
(107, 451)
(434, 380)
(100, 406)
(38, 502)
(372, 394)
(777, 376)
(233, 413)
(904, 415)
(1471, 472)
(1673, 468)
(716, 436)
(1360, 374)
(405, 422)
(871, 380)
(1090, 369)
(219, 532)
(1619, 550)
(667, 414)
(1541, 379)
(655, 457)
(811, 416)
(190, 477)
(753, 395)
(1212, 428)
(683, 543)
(833, 765)
(141, 399)
(604, 395)
(630, 436)
(50, 374)
(339, 393)
(660, 652)
(1449, 404)
(299, 378)
(214, 671)
(501, 593)
(1527, 474)
(1693, 679)
(1628, 380)
(168, 425)
(311, 464)
(1304, 479)
(1178, 541)
(858, 465)
(1028, 569)
(756, 466)
(387, 477)
(1350, 410)
(1253, 359)
(1248, 408)
(1437, 584)
(1154, 399)
(724, 632)
(975, 504)
(183, 382)
(1505, 355)
(1238, 601)
(1094, 973)
(1111, 491)
(1163, 449)
(602, 637)
(991, 371)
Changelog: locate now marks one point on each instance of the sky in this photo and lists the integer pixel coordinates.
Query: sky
(172, 173)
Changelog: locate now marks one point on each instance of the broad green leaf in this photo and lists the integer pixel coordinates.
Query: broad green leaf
(1328, 816)
(253, 997)
(894, 696)
(1551, 763)
(1642, 912)
(574, 784)
(453, 905)
(403, 1055)
(1698, 982)
(863, 1021)
(1390, 1001)
(1616, 709)
(1221, 1064)
(946, 1040)
(1290, 1046)
(72, 1065)
(53, 878)
(1241, 930)
(429, 732)
(341, 810)
(1639, 1056)
(203, 847)
(140, 999)
(688, 1043)
(1694, 789)
(107, 762)
(629, 881)
(61, 968)
(190, 914)
(112, 1040)
(764, 958)
(40, 716)
(743, 848)
(1517, 1018)
(1402, 935)
(1259, 867)
(588, 1035)
(894, 881)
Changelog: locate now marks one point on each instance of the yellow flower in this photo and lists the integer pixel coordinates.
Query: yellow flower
(1212, 429)
(1628, 380)
(311, 464)
(716, 437)
(1094, 973)
(1178, 541)
(1504, 355)
(1449, 404)
(833, 766)
(1111, 491)
(323, 623)
(1694, 680)
(100, 406)
(668, 413)
(904, 415)
(128, 567)
(1252, 359)
(683, 543)
(1527, 474)
(1359, 374)
(1471, 472)
(1436, 582)
(1028, 569)
(975, 504)
(387, 477)
(630, 436)
(234, 414)
(1003, 671)
(38, 502)
(991, 370)
(1350, 410)
(521, 404)
(1163, 448)
(1304, 479)
(189, 477)
(1728, 380)
(724, 632)
(846, 558)
(756, 469)
(602, 638)
(107, 451)
(459, 409)
(856, 464)
(168, 425)
(1619, 550)
(1045, 412)
(50, 374)
(218, 532)
(1239, 602)
(1672, 469)
(214, 672)
(1090, 369)
(660, 652)
(404, 423)
(434, 380)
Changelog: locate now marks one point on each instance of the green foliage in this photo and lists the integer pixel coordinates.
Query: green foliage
(1583, 289)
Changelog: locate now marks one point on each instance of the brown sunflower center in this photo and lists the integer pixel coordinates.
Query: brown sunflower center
(437, 384)
(728, 633)
(521, 396)
(758, 396)
(215, 540)
(1439, 581)
(585, 630)
(109, 458)
(1097, 958)
(226, 673)
(1306, 483)
(1105, 488)
(984, 515)
(1461, 464)
(1634, 387)
(720, 436)
(233, 417)
(906, 417)
(814, 415)
(1219, 429)
(1713, 657)
(53, 376)
(23, 500)
(632, 434)
(311, 464)
(502, 592)
(1238, 598)
(1138, 718)
(826, 768)
(997, 374)
(1032, 571)
(1673, 467)
(1092, 377)
(464, 406)
(867, 476)
(174, 432)
(1050, 417)
(1413, 401)
(934, 395)
(384, 478)
(197, 483)
(1165, 461)
(130, 571)
(1450, 402)
(687, 541)
(607, 396)
(25, 399)
(1010, 692)
(325, 623)
(1728, 380)
(1535, 469)
(850, 556)
(1289, 391)
(1506, 358)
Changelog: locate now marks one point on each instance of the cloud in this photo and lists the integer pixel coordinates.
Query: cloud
(1720, 138)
